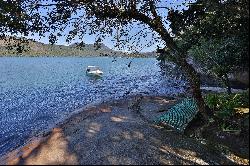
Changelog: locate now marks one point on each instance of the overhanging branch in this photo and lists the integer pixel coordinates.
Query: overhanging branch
(155, 24)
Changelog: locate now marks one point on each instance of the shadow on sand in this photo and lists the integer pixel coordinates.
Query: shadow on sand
(113, 134)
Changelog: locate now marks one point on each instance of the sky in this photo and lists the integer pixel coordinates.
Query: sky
(108, 40)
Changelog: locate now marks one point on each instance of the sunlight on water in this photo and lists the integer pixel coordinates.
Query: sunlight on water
(36, 92)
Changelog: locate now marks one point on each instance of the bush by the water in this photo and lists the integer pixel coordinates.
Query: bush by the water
(231, 111)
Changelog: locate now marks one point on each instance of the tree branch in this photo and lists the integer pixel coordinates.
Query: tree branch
(155, 24)
(152, 9)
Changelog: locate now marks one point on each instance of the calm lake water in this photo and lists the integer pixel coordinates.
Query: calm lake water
(36, 93)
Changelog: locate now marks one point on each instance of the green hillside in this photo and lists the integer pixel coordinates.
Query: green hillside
(11, 46)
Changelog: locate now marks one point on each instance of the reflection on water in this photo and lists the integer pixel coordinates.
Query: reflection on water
(35, 93)
(94, 78)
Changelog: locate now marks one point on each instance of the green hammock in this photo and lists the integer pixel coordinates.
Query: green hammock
(180, 114)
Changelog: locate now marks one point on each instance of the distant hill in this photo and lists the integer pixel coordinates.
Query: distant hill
(13, 46)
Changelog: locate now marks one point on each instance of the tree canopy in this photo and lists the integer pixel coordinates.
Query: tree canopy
(13, 18)
(215, 34)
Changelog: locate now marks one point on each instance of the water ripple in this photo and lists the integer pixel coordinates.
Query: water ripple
(36, 92)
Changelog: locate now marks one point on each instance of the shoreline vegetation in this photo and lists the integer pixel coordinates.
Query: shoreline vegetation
(22, 47)
(119, 132)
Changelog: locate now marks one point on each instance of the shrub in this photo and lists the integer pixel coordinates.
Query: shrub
(226, 107)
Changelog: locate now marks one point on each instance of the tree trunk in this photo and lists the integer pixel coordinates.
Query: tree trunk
(227, 83)
(195, 83)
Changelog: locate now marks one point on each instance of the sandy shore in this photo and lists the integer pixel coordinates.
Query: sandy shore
(117, 132)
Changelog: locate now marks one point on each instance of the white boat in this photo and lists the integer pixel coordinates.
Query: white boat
(94, 70)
